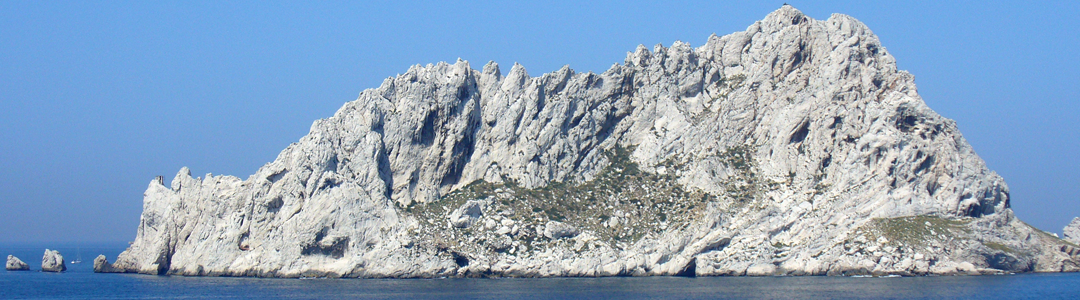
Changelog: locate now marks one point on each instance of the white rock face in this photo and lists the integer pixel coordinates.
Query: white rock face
(52, 261)
(761, 270)
(1072, 231)
(15, 264)
(795, 147)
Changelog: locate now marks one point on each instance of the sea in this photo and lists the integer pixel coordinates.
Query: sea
(80, 282)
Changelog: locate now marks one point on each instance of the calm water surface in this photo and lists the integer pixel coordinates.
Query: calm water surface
(81, 283)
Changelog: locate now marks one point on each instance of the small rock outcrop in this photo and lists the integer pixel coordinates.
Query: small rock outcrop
(52, 261)
(467, 214)
(558, 230)
(795, 147)
(16, 264)
(102, 265)
(1072, 231)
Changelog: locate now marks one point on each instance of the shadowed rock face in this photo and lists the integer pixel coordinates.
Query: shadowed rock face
(16, 264)
(794, 147)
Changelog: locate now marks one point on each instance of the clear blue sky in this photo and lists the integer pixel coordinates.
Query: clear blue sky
(97, 98)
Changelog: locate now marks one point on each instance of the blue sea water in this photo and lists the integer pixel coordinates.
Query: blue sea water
(79, 282)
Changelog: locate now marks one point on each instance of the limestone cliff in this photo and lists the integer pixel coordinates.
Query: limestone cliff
(794, 147)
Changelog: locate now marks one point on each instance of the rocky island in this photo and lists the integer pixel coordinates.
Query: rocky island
(52, 261)
(795, 147)
(15, 264)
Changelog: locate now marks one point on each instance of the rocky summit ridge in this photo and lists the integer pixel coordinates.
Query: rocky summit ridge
(795, 147)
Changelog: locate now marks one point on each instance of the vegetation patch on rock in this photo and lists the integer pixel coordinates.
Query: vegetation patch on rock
(618, 207)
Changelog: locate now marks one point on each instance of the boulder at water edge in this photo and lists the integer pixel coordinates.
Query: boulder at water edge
(102, 265)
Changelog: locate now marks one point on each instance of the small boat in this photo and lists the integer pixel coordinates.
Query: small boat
(78, 257)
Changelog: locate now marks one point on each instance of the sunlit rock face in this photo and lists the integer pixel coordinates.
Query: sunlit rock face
(794, 147)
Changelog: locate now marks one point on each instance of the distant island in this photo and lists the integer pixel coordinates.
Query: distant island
(795, 147)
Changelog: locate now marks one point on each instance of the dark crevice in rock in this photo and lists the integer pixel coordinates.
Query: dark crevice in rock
(332, 164)
(1003, 261)
(541, 101)
(799, 56)
(427, 129)
(164, 261)
(571, 120)
(335, 249)
(463, 93)
(837, 123)
(690, 269)
(277, 176)
(241, 242)
(274, 205)
(932, 187)
(328, 183)
(460, 259)
(608, 128)
(906, 123)
(462, 151)
(332, 247)
(972, 210)
(717, 246)
(385, 173)
(800, 133)
(925, 165)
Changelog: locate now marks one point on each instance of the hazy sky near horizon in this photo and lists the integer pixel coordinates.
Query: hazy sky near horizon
(98, 98)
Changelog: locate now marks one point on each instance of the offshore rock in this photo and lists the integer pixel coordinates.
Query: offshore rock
(795, 147)
(16, 264)
(52, 261)
(102, 265)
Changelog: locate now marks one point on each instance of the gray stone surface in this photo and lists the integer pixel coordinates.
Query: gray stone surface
(52, 261)
(16, 264)
(467, 214)
(102, 265)
(559, 230)
(795, 147)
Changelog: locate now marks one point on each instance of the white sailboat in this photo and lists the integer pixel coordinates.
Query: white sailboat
(78, 256)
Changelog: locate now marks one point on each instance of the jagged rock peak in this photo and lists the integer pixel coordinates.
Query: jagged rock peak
(1072, 231)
